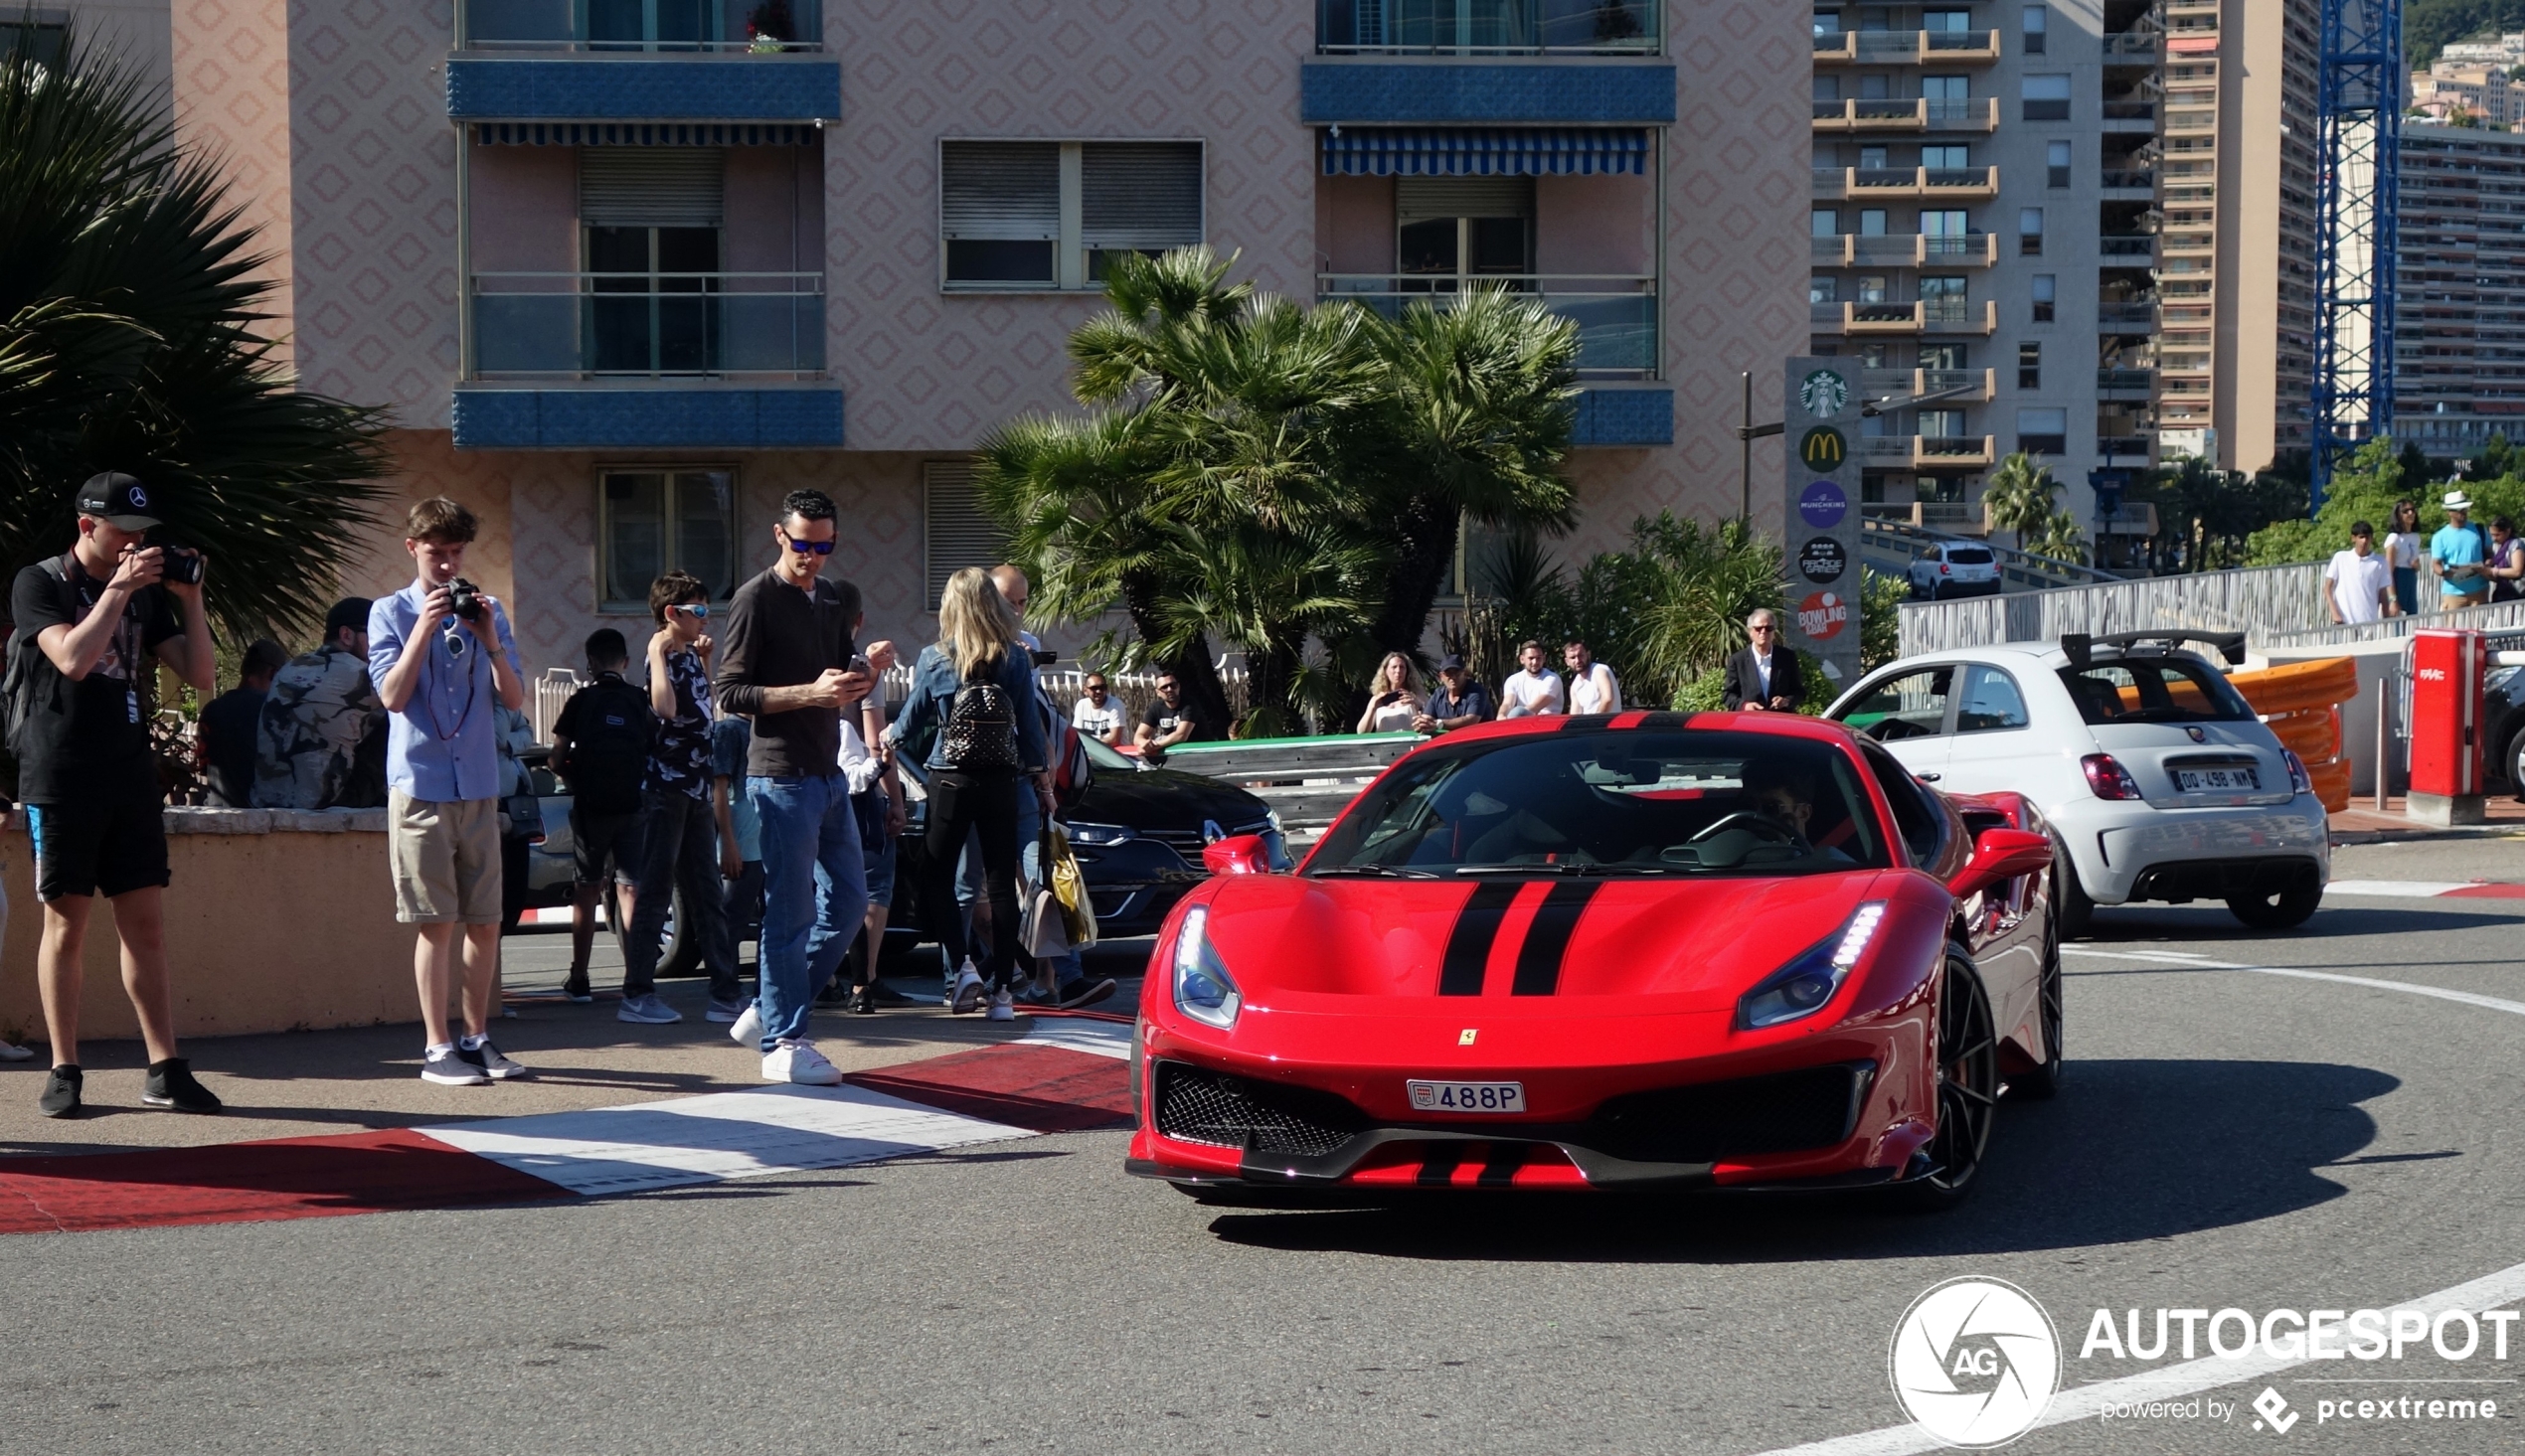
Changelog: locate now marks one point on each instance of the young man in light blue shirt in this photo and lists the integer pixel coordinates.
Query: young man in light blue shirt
(443, 661)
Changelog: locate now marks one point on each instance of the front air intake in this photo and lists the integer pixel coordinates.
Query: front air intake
(1196, 1105)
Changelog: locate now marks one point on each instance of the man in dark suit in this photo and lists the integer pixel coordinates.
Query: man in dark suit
(1764, 677)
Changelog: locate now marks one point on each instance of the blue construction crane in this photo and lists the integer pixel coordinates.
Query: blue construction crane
(2358, 120)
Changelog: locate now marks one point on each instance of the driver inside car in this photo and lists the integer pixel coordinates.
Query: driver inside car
(1789, 799)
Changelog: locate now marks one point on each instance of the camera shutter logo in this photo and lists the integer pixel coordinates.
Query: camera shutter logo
(1823, 449)
(1824, 394)
(1975, 1362)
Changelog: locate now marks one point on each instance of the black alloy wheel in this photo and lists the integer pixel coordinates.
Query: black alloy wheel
(2044, 1082)
(1968, 1091)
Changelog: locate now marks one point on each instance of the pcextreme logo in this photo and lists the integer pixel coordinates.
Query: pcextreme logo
(1975, 1362)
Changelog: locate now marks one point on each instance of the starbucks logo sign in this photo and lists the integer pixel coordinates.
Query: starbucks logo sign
(1824, 394)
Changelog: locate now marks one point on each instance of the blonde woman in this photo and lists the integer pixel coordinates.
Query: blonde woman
(976, 687)
(1394, 697)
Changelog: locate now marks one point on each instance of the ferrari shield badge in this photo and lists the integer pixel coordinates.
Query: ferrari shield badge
(1465, 1037)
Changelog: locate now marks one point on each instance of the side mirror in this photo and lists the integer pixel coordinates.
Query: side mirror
(1238, 854)
(2000, 855)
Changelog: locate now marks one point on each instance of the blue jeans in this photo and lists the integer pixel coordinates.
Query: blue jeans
(814, 895)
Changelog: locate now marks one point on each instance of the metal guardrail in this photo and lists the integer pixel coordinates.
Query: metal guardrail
(2261, 599)
(1306, 781)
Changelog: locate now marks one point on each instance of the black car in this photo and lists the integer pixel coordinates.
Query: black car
(1137, 834)
(2503, 709)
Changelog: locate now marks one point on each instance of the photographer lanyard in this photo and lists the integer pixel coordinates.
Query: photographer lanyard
(126, 631)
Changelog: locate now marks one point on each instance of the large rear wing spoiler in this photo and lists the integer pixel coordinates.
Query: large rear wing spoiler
(2080, 647)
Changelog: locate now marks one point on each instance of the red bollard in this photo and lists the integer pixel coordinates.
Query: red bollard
(2446, 726)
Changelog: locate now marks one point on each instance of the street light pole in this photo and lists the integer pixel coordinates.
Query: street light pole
(1745, 438)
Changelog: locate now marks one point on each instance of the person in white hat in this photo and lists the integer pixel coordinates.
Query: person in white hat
(2458, 551)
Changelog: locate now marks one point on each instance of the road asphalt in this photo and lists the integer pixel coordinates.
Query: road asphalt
(2226, 1138)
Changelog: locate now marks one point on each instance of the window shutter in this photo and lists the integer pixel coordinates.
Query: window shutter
(1002, 190)
(650, 187)
(1141, 194)
(955, 532)
(1418, 199)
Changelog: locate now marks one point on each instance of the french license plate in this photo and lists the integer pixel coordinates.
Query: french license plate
(1466, 1096)
(2217, 780)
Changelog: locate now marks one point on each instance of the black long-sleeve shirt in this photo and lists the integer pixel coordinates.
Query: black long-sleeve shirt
(778, 636)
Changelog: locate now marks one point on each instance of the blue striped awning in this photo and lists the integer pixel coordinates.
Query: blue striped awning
(1459, 151)
(639, 134)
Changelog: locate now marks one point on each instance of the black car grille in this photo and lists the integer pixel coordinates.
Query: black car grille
(1188, 842)
(1200, 1106)
(1782, 1113)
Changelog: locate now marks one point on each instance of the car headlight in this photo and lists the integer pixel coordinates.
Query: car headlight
(1101, 833)
(1204, 990)
(1804, 985)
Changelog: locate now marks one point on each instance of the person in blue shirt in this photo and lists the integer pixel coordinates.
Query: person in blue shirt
(2457, 550)
(978, 770)
(444, 668)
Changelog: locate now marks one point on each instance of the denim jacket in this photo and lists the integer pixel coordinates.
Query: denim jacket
(934, 684)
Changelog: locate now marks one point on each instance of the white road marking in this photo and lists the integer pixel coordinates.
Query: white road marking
(2181, 958)
(2082, 1403)
(720, 1135)
(1080, 1033)
(2398, 889)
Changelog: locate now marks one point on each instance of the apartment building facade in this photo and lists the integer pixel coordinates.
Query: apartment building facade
(625, 271)
(1986, 185)
(2460, 280)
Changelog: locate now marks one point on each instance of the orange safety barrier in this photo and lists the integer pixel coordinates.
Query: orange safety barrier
(2301, 703)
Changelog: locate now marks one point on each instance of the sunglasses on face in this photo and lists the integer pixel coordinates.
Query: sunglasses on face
(698, 610)
(820, 547)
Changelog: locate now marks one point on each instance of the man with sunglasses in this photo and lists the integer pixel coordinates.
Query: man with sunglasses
(789, 664)
(1763, 677)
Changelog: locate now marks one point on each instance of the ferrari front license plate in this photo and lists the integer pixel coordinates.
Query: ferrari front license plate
(1466, 1096)
(2217, 780)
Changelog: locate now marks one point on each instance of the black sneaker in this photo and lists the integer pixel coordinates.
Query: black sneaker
(170, 1084)
(887, 998)
(60, 1092)
(575, 988)
(493, 1064)
(1084, 991)
(449, 1068)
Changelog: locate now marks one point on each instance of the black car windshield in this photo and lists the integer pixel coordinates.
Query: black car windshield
(1638, 802)
(2154, 690)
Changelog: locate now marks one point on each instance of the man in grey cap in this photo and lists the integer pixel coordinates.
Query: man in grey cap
(96, 616)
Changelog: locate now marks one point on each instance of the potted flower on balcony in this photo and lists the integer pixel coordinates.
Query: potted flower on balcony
(769, 29)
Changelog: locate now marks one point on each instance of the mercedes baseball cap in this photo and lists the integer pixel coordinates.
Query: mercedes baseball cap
(119, 500)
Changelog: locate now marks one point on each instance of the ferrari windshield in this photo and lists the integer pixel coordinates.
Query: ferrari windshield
(1638, 802)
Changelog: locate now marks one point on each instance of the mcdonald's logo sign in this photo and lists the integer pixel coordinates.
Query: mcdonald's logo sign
(1823, 449)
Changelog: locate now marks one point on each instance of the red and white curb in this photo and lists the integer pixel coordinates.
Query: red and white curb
(2426, 888)
(1068, 1075)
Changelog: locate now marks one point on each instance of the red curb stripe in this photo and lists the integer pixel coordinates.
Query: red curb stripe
(1041, 1088)
(244, 1183)
(2485, 891)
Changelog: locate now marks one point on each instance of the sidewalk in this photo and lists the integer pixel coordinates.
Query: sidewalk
(2362, 823)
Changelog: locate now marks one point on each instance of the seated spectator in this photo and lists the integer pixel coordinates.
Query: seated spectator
(230, 725)
(1098, 715)
(1533, 691)
(1459, 702)
(1593, 687)
(1394, 697)
(1167, 720)
(321, 740)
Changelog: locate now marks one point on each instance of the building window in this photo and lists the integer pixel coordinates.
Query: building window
(2045, 295)
(1941, 424)
(955, 532)
(655, 521)
(2046, 98)
(2028, 232)
(1870, 222)
(2029, 365)
(42, 40)
(2038, 22)
(2042, 432)
(1825, 222)
(2056, 159)
(1823, 288)
(1045, 215)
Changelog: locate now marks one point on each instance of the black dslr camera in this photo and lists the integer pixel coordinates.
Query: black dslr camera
(182, 566)
(463, 601)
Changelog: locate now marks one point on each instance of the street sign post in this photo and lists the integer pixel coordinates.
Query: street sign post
(1820, 539)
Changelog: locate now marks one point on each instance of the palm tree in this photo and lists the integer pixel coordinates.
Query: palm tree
(2018, 496)
(128, 318)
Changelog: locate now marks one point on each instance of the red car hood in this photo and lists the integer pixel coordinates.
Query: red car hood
(1548, 947)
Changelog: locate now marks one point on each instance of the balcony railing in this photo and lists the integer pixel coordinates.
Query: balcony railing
(1892, 48)
(2130, 110)
(646, 325)
(1617, 313)
(1905, 182)
(2125, 381)
(2127, 44)
(2128, 177)
(2128, 245)
(1488, 27)
(1935, 315)
(2122, 316)
(1908, 249)
(2122, 444)
(1952, 452)
(630, 27)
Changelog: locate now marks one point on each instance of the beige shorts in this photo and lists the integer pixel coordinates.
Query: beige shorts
(445, 858)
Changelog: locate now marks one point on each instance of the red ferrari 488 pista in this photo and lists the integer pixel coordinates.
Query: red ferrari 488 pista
(1651, 949)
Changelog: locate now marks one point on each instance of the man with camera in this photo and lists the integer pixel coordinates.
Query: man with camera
(443, 660)
(89, 623)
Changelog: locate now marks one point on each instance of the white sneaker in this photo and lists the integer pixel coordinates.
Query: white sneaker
(798, 1062)
(12, 1051)
(1003, 1006)
(647, 1009)
(749, 1027)
(968, 990)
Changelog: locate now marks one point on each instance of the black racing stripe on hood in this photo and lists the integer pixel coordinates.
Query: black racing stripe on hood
(1547, 938)
(1468, 945)
(1665, 720)
(1587, 723)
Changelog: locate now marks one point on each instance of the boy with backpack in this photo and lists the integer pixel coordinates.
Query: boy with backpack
(601, 746)
(678, 833)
